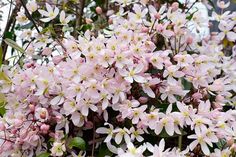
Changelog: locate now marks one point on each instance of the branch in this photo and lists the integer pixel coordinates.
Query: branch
(29, 16)
(10, 22)
(79, 16)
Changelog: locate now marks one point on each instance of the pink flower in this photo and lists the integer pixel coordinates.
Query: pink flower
(133, 73)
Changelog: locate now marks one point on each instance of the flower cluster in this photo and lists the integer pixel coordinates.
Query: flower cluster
(145, 80)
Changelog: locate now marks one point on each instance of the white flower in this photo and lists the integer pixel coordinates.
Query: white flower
(21, 18)
(63, 19)
(50, 13)
(200, 138)
(108, 131)
(132, 74)
(58, 149)
(132, 151)
(32, 6)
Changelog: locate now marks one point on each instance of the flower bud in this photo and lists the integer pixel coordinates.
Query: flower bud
(47, 51)
(175, 6)
(88, 21)
(189, 40)
(57, 59)
(143, 100)
(32, 108)
(88, 125)
(157, 16)
(43, 115)
(219, 98)
(110, 21)
(144, 29)
(98, 10)
(197, 96)
(2, 126)
(230, 142)
(44, 128)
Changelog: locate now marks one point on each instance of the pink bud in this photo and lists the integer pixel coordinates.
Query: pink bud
(47, 51)
(28, 65)
(57, 59)
(159, 28)
(217, 106)
(219, 98)
(230, 142)
(157, 16)
(58, 118)
(189, 40)
(32, 108)
(88, 125)
(13, 131)
(98, 10)
(88, 21)
(144, 29)
(175, 6)
(119, 118)
(2, 126)
(44, 128)
(43, 115)
(197, 96)
(110, 21)
(143, 100)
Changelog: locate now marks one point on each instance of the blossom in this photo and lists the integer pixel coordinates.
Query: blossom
(167, 122)
(109, 131)
(21, 18)
(133, 73)
(50, 14)
(157, 150)
(41, 114)
(200, 139)
(138, 13)
(63, 19)
(132, 151)
(226, 31)
(32, 6)
(120, 134)
(58, 149)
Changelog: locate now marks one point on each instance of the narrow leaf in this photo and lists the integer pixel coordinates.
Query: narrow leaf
(14, 45)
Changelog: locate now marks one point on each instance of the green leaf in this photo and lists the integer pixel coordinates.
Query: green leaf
(77, 142)
(9, 35)
(27, 26)
(44, 154)
(104, 151)
(14, 45)
(4, 77)
(187, 85)
(221, 144)
(2, 108)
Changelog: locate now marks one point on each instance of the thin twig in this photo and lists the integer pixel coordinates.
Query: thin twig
(8, 26)
(93, 147)
(29, 16)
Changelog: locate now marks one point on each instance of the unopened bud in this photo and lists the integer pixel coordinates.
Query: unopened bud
(98, 10)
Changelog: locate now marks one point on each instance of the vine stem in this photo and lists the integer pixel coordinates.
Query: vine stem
(93, 147)
(180, 139)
